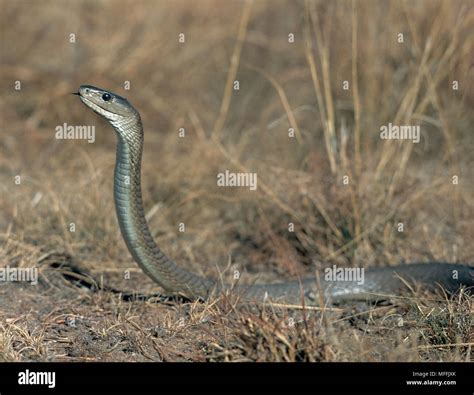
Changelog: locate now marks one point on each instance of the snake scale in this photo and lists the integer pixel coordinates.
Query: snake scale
(378, 282)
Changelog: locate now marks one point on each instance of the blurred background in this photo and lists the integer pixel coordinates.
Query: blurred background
(403, 202)
(291, 59)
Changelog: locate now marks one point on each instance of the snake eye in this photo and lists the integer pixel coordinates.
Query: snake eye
(106, 97)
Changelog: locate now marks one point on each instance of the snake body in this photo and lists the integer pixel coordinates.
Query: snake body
(378, 282)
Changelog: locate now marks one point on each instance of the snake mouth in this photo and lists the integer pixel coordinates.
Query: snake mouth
(96, 108)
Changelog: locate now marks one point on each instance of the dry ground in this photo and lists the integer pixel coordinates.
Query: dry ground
(300, 180)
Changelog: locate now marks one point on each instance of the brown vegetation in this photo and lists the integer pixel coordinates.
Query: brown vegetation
(300, 180)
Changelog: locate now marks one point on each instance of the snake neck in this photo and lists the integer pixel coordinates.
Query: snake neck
(132, 221)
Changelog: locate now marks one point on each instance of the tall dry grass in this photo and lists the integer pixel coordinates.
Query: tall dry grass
(282, 85)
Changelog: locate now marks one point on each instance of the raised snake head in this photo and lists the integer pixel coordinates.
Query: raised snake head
(116, 109)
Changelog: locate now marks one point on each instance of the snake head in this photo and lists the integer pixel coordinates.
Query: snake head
(111, 106)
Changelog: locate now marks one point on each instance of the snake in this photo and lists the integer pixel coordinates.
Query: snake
(378, 283)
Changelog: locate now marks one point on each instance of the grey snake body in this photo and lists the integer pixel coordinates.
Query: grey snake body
(379, 282)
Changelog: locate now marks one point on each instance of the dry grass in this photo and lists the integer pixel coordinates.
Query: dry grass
(282, 85)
